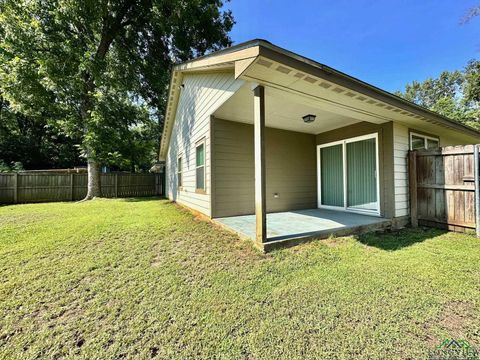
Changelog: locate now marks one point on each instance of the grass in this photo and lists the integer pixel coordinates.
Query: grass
(142, 278)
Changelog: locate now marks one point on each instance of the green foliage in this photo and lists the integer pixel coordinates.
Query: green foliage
(98, 71)
(139, 278)
(14, 166)
(472, 82)
(34, 142)
(455, 94)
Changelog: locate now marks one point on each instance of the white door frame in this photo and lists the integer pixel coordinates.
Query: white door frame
(344, 143)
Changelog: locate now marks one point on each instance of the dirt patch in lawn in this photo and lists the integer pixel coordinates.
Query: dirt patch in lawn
(334, 242)
(454, 317)
(452, 320)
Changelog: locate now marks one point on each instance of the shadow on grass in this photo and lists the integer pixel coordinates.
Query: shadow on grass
(143, 199)
(397, 240)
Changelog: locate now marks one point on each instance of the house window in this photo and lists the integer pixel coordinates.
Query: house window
(419, 142)
(179, 173)
(200, 167)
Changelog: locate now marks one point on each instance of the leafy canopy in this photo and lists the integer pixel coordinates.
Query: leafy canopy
(98, 70)
(454, 94)
(33, 143)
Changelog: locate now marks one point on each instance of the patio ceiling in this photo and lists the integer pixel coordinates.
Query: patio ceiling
(284, 110)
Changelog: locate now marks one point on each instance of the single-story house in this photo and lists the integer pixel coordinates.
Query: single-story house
(255, 129)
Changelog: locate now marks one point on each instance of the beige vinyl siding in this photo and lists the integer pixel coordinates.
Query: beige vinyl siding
(200, 96)
(290, 169)
(401, 145)
(448, 138)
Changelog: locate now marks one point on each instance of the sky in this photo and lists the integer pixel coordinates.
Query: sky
(385, 43)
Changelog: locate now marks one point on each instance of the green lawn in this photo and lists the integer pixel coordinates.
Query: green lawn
(142, 278)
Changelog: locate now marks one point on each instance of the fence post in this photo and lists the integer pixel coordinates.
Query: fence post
(15, 187)
(476, 177)
(71, 187)
(115, 179)
(412, 181)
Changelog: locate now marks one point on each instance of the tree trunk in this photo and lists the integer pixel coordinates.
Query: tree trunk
(110, 28)
(94, 189)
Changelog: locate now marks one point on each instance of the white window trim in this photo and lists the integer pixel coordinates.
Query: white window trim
(180, 171)
(345, 207)
(197, 144)
(425, 138)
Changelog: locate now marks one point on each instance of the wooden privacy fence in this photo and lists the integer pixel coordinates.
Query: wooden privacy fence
(47, 187)
(444, 187)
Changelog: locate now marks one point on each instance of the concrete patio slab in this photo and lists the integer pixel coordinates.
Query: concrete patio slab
(291, 227)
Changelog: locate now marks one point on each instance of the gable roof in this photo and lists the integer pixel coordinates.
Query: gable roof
(240, 57)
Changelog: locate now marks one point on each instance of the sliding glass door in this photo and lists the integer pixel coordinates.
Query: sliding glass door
(361, 174)
(348, 174)
(332, 175)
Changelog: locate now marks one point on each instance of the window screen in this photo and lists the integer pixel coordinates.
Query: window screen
(179, 173)
(418, 142)
(200, 167)
(432, 144)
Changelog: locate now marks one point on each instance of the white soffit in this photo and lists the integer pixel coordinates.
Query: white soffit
(283, 110)
(275, 74)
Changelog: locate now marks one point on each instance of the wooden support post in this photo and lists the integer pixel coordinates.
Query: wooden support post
(260, 187)
(412, 182)
(116, 184)
(15, 188)
(71, 187)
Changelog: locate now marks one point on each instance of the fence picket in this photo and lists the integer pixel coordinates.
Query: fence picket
(442, 188)
(15, 188)
(46, 187)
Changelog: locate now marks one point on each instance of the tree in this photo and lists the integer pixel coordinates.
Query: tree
(455, 94)
(472, 70)
(87, 66)
(33, 143)
(472, 83)
(36, 144)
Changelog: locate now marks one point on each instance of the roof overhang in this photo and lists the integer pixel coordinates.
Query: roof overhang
(230, 59)
(262, 62)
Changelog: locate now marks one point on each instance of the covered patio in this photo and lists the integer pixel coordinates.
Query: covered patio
(292, 227)
(297, 157)
(281, 179)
